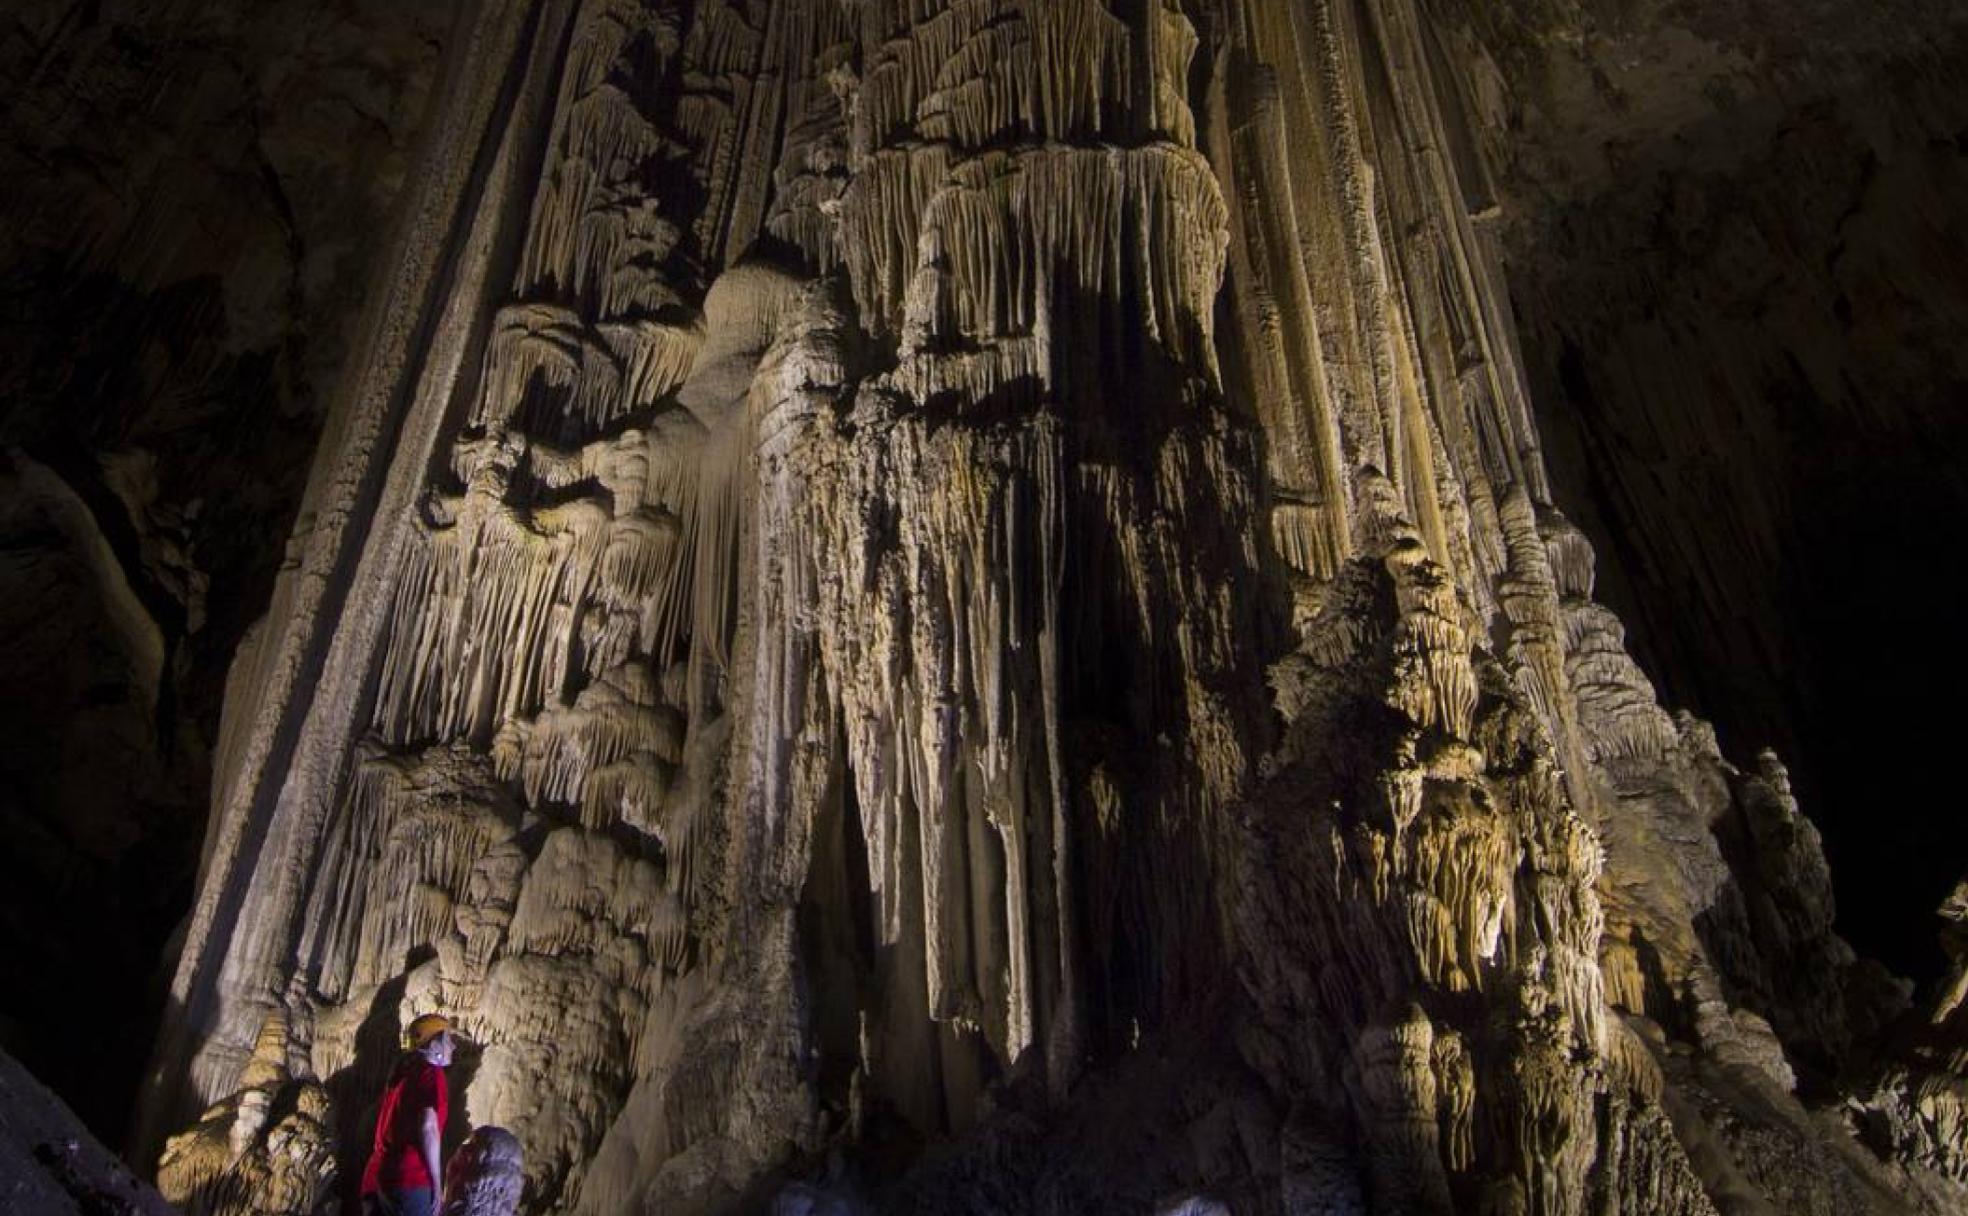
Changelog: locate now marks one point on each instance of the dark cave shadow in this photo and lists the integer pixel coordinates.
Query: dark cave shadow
(356, 1090)
(465, 1060)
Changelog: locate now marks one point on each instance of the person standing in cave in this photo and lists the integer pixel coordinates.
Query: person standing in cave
(404, 1171)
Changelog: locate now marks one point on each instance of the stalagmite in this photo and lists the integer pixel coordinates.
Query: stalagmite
(963, 549)
(265, 1149)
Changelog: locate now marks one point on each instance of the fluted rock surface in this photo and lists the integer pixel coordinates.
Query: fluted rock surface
(980, 574)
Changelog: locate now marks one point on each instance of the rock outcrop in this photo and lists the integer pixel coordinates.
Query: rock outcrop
(266, 1148)
(980, 575)
(51, 1166)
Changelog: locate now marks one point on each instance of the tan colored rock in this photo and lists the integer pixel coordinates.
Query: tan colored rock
(268, 1148)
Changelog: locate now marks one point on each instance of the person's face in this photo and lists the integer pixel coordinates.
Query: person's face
(438, 1050)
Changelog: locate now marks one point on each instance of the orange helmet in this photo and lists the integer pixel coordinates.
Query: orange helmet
(426, 1028)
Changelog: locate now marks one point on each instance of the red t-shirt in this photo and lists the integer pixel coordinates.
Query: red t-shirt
(397, 1161)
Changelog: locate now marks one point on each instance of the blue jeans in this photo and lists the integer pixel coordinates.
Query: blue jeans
(417, 1201)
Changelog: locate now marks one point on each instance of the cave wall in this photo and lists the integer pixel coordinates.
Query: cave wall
(884, 566)
(1734, 251)
(979, 577)
(194, 198)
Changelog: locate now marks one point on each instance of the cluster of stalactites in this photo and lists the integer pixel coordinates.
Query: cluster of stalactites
(557, 557)
(597, 236)
(408, 855)
(503, 608)
(1488, 887)
(813, 166)
(1006, 216)
(952, 240)
(612, 753)
(909, 580)
(546, 368)
(940, 689)
(1000, 274)
(971, 73)
(1456, 862)
(1044, 244)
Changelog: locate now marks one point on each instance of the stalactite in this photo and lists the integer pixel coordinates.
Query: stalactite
(1436, 686)
(1616, 702)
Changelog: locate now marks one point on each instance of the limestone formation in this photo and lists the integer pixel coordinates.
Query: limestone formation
(979, 575)
(266, 1148)
(1730, 237)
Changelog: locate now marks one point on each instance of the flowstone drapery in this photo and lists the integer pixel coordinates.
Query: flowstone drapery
(892, 564)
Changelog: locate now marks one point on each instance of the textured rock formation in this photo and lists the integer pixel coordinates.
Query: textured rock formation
(1916, 1108)
(980, 574)
(265, 1148)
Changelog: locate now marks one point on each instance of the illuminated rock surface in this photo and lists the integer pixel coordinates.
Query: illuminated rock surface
(267, 1147)
(957, 605)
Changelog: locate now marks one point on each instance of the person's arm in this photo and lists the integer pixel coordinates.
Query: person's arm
(428, 1141)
